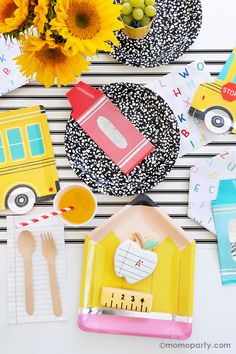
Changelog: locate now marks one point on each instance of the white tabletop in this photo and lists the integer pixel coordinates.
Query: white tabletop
(215, 309)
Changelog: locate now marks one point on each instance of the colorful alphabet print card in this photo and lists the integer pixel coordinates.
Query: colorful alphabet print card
(178, 89)
(10, 76)
(28, 171)
(215, 102)
(204, 182)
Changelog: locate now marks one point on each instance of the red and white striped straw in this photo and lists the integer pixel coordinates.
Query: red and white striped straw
(44, 217)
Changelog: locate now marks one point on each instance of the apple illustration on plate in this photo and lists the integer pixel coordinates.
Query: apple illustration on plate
(135, 261)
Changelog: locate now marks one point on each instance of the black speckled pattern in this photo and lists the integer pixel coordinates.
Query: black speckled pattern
(153, 117)
(174, 29)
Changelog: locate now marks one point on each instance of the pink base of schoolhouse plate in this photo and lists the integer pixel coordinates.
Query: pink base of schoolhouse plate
(134, 326)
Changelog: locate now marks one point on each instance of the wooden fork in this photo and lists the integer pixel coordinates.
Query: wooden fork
(50, 252)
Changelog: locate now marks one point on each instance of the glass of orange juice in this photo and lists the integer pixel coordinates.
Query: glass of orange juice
(83, 201)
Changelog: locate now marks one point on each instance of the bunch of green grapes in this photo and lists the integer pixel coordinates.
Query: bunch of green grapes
(138, 13)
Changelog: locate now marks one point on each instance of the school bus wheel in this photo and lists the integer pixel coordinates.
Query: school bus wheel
(21, 200)
(218, 120)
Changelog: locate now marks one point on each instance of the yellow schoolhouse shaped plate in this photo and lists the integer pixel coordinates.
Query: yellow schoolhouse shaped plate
(109, 304)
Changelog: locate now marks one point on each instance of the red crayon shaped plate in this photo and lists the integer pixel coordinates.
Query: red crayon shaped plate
(149, 113)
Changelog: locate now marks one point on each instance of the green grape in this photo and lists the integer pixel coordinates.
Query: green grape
(137, 3)
(127, 19)
(150, 3)
(137, 14)
(126, 9)
(145, 21)
(150, 11)
(125, 1)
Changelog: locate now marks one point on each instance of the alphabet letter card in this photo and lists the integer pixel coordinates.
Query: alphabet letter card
(178, 89)
(10, 76)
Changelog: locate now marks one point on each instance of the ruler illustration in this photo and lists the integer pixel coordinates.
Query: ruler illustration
(125, 299)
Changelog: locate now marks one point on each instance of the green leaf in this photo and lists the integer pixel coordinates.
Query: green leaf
(150, 244)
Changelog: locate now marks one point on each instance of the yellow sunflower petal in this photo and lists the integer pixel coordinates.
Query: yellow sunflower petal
(13, 14)
(40, 12)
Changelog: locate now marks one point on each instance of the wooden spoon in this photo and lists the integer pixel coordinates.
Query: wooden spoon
(26, 246)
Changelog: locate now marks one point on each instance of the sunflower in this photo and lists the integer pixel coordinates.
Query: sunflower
(49, 61)
(87, 25)
(40, 12)
(13, 13)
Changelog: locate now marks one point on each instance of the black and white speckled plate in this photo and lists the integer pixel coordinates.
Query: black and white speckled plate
(174, 29)
(153, 117)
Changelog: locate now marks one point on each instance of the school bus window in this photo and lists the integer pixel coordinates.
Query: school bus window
(2, 155)
(35, 140)
(15, 144)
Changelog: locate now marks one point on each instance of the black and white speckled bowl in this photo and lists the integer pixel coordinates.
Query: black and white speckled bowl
(153, 117)
(174, 29)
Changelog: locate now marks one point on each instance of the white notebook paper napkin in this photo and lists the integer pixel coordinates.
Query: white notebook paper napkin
(41, 284)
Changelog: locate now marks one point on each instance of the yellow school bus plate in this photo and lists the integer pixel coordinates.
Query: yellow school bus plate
(27, 165)
(215, 102)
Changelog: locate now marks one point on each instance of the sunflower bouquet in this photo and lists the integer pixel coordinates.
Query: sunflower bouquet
(58, 36)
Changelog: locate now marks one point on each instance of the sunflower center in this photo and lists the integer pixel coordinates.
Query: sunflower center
(51, 55)
(83, 20)
(9, 10)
